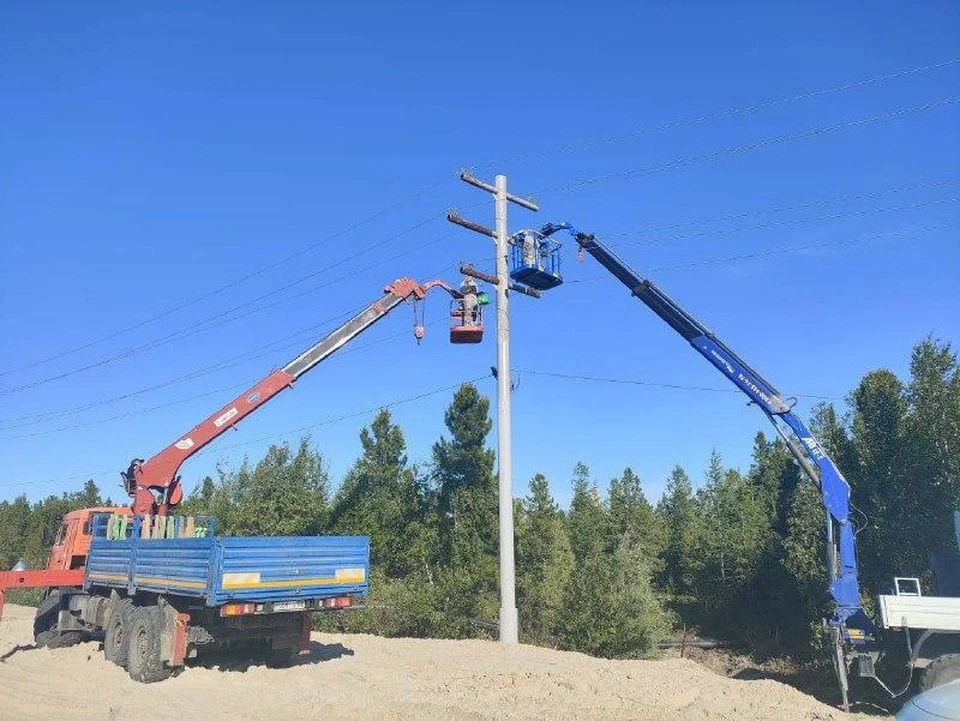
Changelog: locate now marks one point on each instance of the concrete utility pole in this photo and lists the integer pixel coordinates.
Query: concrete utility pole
(508, 594)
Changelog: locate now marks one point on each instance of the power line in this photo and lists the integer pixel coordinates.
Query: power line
(721, 114)
(233, 361)
(222, 365)
(233, 283)
(794, 221)
(832, 200)
(218, 366)
(301, 429)
(652, 384)
(234, 387)
(357, 414)
(750, 147)
(729, 112)
(219, 319)
(129, 352)
(704, 118)
(779, 251)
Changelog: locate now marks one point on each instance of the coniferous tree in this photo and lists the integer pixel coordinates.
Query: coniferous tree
(732, 533)
(544, 563)
(467, 512)
(677, 510)
(380, 498)
(610, 608)
(285, 494)
(632, 520)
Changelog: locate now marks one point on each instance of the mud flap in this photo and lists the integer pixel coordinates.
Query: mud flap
(306, 625)
(173, 641)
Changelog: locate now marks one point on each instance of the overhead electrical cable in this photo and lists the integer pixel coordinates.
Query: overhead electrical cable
(220, 318)
(720, 114)
(301, 429)
(745, 148)
(232, 284)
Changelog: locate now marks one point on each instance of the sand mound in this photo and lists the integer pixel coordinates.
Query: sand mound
(365, 677)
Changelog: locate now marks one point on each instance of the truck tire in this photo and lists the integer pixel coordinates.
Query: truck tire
(115, 636)
(45, 631)
(940, 671)
(143, 645)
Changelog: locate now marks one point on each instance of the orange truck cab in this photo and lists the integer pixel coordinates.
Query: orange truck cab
(70, 547)
(67, 558)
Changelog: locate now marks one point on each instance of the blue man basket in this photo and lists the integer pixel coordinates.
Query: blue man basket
(539, 269)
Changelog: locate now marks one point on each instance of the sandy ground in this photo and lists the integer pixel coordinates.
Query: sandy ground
(365, 677)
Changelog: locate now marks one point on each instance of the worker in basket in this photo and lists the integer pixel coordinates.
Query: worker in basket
(530, 249)
(469, 303)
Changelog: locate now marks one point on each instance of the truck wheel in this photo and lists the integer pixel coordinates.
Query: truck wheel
(115, 648)
(45, 631)
(941, 670)
(143, 645)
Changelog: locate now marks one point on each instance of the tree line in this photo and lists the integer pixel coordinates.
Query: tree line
(739, 556)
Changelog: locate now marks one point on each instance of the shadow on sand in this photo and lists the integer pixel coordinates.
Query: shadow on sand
(17, 649)
(864, 699)
(240, 661)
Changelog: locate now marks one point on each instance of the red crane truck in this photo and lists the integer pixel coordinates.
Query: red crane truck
(161, 587)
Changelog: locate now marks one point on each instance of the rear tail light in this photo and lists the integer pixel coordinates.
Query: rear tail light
(337, 602)
(238, 609)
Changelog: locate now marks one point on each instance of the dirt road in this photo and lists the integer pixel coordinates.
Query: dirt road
(365, 677)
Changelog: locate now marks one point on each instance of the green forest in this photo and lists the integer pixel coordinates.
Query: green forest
(730, 553)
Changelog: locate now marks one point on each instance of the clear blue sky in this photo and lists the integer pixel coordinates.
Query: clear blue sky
(150, 156)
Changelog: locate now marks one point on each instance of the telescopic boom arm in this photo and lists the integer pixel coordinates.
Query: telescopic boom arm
(158, 475)
(851, 626)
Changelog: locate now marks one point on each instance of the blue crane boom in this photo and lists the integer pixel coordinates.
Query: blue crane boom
(852, 629)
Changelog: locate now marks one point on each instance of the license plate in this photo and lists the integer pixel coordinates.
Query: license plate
(290, 606)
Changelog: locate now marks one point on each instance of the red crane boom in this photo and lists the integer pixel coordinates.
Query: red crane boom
(154, 484)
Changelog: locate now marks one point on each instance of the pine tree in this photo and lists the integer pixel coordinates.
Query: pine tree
(380, 498)
(632, 520)
(15, 526)
(467, 511)
(774, 475)
(284, 494)
(587, 521)
(729, 543)
(544, 563)
(933, 432)
(677, 511)
(885, 490)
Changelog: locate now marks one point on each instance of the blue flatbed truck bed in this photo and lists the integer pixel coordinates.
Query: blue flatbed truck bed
(163, 589)
(218, 570)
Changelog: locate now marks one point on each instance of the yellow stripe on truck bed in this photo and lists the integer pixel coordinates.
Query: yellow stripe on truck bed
(252, 580)
(168, 582)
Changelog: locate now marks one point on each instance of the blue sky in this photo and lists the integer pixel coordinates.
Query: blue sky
(153, 156)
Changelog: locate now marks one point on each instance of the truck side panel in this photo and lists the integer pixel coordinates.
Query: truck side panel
(173, 565)
(223, 569)
(933, 612)
(169, 565)
(272, 569)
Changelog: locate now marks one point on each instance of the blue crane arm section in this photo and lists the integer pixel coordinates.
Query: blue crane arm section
(848, 615)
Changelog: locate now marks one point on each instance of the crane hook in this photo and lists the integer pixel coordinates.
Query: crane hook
(418, 329)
